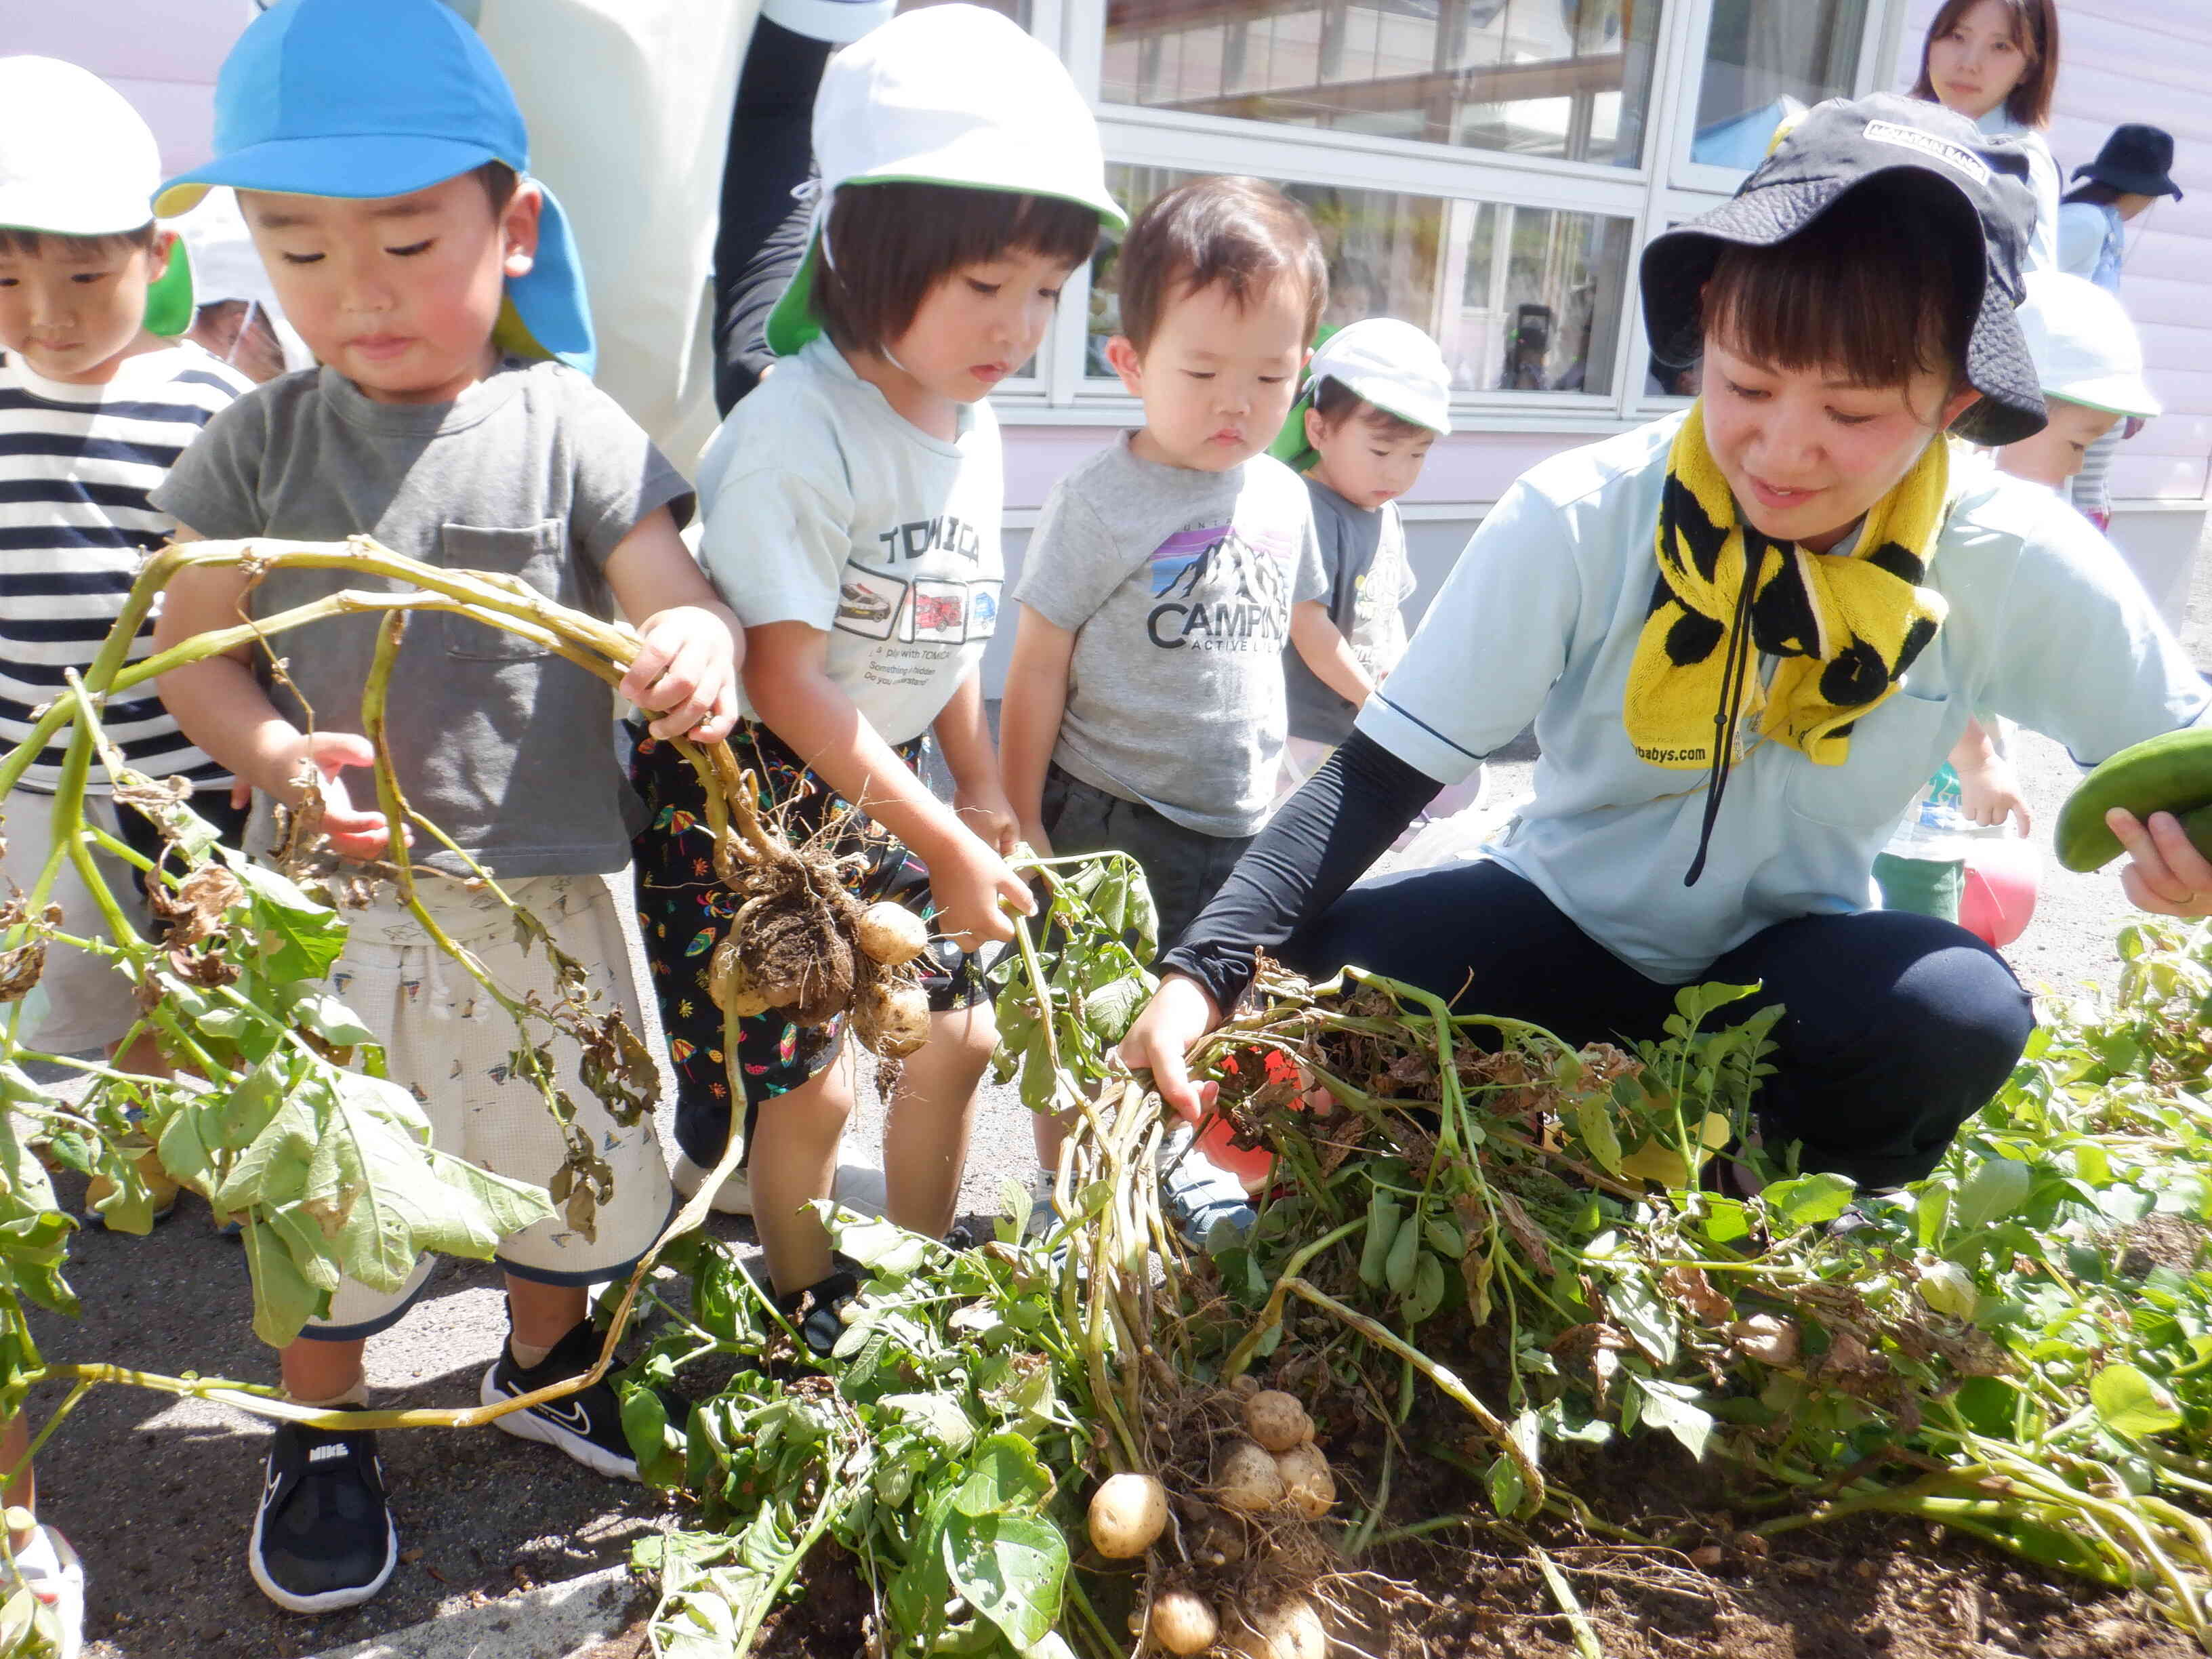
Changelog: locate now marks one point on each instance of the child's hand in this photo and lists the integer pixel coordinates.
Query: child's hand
(1039, 842)
(990, 815)
(686, 673)
(970, 883)
(1989, 793)
(352, 832)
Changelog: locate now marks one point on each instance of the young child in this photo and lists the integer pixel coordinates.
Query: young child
(382, 164)
(852, 521)
(1377, 395)
(2089, 363)
(96, 399)
(1144, 708)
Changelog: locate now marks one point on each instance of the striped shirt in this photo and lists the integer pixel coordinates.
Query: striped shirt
(77, 463)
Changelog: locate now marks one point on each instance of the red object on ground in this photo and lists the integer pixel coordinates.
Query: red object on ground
(1216, 1141)
(1999, 899)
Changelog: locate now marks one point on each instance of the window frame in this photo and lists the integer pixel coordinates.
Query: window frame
(1664, 187)
(1689, 80)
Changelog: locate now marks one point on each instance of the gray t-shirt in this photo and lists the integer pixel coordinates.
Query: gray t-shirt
(1178, 585)
(825, 506)
(1363, 554)
(534, 472)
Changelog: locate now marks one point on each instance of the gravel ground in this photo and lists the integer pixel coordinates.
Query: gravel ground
(158, 1494)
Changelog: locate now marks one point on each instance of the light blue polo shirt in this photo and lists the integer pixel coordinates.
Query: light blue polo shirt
(1539, 620)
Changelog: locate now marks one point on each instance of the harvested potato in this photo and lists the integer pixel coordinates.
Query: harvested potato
(1245, 1478)
(891, 1019)
(1307, 1485)
(1277, 1420)
(1182, 1623)
(1286, 1628)
(1128, 1512)
(730, 986)
(892, 934)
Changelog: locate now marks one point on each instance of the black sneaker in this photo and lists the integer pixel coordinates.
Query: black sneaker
(322, 1538)
(586, 1425)
(816, 1313)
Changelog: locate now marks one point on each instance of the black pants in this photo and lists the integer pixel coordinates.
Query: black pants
(1898, 1027)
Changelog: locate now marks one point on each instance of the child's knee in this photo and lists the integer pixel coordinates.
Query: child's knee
(971, 1032)
(813, 1112)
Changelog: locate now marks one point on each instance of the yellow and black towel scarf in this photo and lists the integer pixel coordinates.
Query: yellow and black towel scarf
(1842, 627)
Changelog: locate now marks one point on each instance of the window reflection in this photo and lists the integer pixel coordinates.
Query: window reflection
(1566, 78)
(1520, 299)
(1765, 63)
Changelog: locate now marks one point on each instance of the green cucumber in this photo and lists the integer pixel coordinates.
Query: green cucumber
(2170, 772)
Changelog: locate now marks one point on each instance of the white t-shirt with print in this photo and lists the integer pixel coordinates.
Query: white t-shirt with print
(823, 505)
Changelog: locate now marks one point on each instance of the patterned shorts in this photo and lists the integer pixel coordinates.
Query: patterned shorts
(448, 1043)
(684, 910)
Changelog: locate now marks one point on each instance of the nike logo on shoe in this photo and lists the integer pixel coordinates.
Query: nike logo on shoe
(567, 1413)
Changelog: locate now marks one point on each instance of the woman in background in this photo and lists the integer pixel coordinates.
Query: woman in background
(1995, 62)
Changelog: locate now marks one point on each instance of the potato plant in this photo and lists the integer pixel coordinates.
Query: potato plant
(273, 1102)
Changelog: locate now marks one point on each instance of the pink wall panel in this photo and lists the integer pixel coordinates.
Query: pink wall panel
(163, 55)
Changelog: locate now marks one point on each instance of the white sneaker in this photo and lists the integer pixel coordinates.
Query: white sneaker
(49, 1569)
(736, 1197)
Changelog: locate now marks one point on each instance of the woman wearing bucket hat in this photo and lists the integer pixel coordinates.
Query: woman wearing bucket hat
(2131, 172)
(1747, 633)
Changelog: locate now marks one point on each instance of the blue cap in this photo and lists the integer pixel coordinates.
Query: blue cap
(361, 99)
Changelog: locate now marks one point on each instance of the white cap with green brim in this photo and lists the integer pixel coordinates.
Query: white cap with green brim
(2085, 349)
(1380, 360)
(945, 96)
(1391, 364)
(75, 159)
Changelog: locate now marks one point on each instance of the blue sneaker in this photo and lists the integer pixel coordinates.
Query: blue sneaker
(1207, 1204)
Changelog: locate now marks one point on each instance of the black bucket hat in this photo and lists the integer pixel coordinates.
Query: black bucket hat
(2136, 161)
(1835, 148)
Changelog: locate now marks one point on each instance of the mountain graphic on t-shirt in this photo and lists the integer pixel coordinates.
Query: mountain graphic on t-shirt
(1218, 562)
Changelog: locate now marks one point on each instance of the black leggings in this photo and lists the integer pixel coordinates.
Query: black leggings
(1898, 1027)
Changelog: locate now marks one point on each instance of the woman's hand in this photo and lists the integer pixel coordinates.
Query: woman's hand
(2165, 874)
(1181, 1012)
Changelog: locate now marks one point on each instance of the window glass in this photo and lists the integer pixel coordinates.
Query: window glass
(1566, 78)
(1520, 299)
(1765, 61)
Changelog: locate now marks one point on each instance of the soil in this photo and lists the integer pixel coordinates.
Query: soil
(1868, 1588)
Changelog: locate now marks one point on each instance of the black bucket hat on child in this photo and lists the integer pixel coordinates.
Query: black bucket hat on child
(2137, 159)
(1843, 145)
